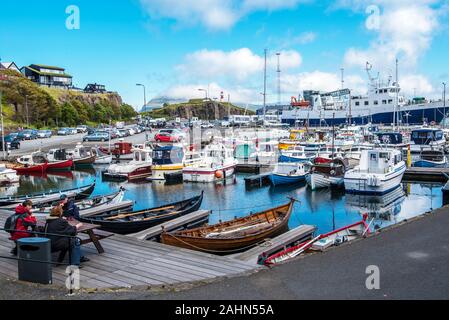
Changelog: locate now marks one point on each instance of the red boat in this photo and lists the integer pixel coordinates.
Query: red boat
(38, 168)
(60, 165)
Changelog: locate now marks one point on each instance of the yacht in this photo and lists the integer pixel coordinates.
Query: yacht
(217, 163)
(138, 168)
(379, 171)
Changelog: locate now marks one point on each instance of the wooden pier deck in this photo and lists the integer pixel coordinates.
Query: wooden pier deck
(175, 224)
(426, 174)
(257, 181)
(298, 234)
(129, 262)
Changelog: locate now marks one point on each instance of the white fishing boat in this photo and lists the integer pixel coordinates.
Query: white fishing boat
(138, 168)
(327, 175)
(102, 158)
(81, 155)
(7, 176)
(218, 163)
(379, 171)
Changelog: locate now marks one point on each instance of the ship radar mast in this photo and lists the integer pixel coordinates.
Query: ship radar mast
(372, 80)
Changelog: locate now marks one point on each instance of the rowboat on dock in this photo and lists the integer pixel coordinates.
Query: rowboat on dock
(136, 221)
(44, 198)
(322, 242)
(235, 235)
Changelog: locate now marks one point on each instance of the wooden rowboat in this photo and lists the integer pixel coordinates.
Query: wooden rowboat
(233, 236)
(136, 221)
(37, 168)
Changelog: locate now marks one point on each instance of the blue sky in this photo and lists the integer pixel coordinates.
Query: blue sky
(175, 47)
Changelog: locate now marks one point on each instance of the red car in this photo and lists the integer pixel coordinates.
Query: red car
(168, 135)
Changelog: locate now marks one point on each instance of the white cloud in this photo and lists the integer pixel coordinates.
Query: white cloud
(405, 30)
(412, 83)
(214, 14)
(238, 64)
(304, 38)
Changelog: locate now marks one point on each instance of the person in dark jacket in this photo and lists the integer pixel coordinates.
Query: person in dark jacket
(25, 222)
(69, 207)
(55, 225)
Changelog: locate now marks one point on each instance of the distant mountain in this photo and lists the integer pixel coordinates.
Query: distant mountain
(159, 103)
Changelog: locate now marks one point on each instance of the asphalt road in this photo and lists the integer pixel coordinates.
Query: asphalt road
(28, 146)
(412, 259)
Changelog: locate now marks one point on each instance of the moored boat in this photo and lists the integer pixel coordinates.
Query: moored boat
(136, 221)
(327, 175)
(235, 235)
(7, 175)
(49, 197)
(379, 171)
(138, 168)
(431, 159)
(296, 154)
(289, 173)
(217, 164)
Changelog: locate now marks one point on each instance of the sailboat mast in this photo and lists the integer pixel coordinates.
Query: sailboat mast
(397, 91)
(265, 85)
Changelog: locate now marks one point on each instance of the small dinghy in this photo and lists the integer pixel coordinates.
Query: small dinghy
(431, 159)
(322, 242)
(235, 235)
(136, 221)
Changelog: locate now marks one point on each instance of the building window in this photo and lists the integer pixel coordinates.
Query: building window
(357, 103)
(384, 101)
(366, 103)
(376, 102)
(390, 101)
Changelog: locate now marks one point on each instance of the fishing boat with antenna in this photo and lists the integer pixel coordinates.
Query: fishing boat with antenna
(235, 235)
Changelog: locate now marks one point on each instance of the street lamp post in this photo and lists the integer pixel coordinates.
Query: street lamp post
(444, 103)
(26, 108)
(144, 94)
(3, 128)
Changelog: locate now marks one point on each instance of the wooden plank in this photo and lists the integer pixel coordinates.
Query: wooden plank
(170, 225)
(300, 233)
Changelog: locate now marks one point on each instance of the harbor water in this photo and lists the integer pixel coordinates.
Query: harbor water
(326, 209)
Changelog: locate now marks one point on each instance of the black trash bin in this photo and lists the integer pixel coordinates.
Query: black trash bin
(35, 249)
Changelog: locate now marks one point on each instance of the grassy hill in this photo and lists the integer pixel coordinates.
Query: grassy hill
(51, 107)
(205, 110)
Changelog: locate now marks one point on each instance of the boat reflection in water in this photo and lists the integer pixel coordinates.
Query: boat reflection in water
(384, 209)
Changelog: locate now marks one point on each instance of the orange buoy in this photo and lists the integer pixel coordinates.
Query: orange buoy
(218, 174)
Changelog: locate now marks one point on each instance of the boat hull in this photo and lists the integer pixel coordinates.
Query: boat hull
(319, 181)
(207, 175)
(39, 168)
(279, 179)
(429, 164)
(84, 161)
(361, 184)
(60, 165)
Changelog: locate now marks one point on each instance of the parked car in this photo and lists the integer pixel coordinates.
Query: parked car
(97, 136)
(131, 131)
(90, 130)
(124, 133)
(11, 142)
(73, 130)
(63, 132)
(81, 129)
(42, 134)
(169, 135)
(27, 134)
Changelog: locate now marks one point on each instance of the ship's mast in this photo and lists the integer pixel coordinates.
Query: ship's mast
(265, 85)
(279, 77)
(396, 117)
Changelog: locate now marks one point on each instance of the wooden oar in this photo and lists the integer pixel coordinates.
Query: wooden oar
(162, 215)
(121, 216)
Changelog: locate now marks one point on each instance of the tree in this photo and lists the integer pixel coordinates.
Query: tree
(127, 112)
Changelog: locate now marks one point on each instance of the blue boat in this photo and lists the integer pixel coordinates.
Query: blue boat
(431, 159)
(289, 173)
(287, 159)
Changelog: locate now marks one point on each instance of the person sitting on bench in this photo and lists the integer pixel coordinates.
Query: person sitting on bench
(24, 221)
(69, 207)
(57, 224)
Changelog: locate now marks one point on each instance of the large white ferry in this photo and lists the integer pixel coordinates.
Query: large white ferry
(383, 104)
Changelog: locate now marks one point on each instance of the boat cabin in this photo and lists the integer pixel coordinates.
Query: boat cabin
(57, 155)
(34, 158)
(142, 155)
(427, 136)
(168, 155)
(389, 138)
(379, 161)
